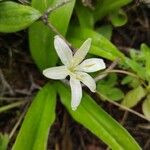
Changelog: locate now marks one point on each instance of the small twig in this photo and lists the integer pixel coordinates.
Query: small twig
(5, 83)
(130, 110)
(144, 126)
(12, 98)
(130, 74)
(24, 1)
(10, 106)
(33, 84)
(124, 107)
(146, 146)
(50, 9)
(122, 72)
(49, 24)
(18, 123)
(57, 146)
(104, 74)
(125, 116)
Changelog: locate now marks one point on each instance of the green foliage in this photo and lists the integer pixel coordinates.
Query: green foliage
(41, 38)
(131, 81)
(94, 118)
(105, 7)
(118, 18)
(40, 116)
(109, 84)
(15, 17)
(145, 52)
(82, 13)
(146, 107)
(140, 62)
(100, 45)
(134, 96)
(136, 67)
(106, 31)
(4, 139)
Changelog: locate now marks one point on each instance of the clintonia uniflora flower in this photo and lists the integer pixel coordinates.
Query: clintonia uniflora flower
(75, 67)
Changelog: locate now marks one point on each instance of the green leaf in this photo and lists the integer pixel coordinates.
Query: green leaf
(40, 116)
(110, 80)
(85, 15)
(100, 45)
(146, 53)
(41, 38)
(134, 96)
(105, 7)
(108, 84)
(15, 17)
(146, 107)
(4, 140)
(136, 67)
(94, 118)
(131, 81)
(118, 18)
(114, 94)
(106, 31)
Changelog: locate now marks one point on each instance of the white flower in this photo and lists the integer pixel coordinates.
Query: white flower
(75, 67)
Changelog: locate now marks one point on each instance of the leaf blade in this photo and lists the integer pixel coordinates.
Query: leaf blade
(15, 17)
(41, 37)
(34, 131)
(94, 118)
(134, 96)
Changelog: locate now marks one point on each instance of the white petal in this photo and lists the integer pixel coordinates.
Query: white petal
(56, 72)
(87, 80)
(91, 65)
(63, 50)
(76, 93)
(81, 52)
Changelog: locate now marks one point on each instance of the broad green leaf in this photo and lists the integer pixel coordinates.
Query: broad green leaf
(4, 140)
(134, 96)
(109, 84)
(85, 15)
(146, 52)
(15, 17)
(136, 67)
(136, 55)
(105, 7)
(114, 94)
(131, 81)
(106, 31)
(34, 131)
(41, 38)
(146, 107)
(100, 45)
(94, 118)
(118, 18)
(110, 80)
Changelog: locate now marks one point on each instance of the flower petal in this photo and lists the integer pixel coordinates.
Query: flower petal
(91, 65)
(81, 52)
(76, 93)
(56, 72)
(87, 80)
(63, 50)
